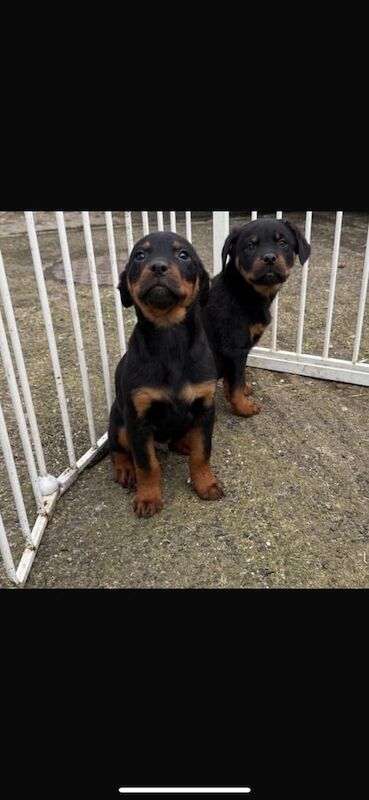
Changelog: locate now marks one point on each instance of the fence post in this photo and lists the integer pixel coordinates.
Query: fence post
(220, 232)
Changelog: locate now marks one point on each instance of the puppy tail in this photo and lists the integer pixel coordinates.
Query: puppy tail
(100, 455)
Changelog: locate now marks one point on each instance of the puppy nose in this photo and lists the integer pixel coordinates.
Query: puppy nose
(159, 267)
(269, 258)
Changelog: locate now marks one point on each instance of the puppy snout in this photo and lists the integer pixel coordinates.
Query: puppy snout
(159, 267)
(269, 258)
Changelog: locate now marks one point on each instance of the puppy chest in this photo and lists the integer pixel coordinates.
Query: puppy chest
(257, 324)
(256, 329)
(170, 420)
(171, 411)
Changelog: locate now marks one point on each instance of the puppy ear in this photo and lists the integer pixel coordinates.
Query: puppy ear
(302, 247)
(204, 284)
(125, 294)
(229, 246)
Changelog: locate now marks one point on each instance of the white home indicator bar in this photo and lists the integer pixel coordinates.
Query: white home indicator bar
(185, 789)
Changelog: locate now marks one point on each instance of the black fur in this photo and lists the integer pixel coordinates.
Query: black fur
(256, 261)
(167, 352)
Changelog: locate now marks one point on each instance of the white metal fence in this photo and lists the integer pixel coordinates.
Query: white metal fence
(47, 488)
(295, 361)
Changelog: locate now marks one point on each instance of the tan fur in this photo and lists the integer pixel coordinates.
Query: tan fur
(242, 406)
(166, 317)
(122, 438)
(144, 397)
(148, 498)
(123, 468)
(204, 482)
(195, 391)
(256, 329)
(247, 389)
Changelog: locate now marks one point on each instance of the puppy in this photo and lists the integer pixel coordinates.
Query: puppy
(261, 255)
(165, 383)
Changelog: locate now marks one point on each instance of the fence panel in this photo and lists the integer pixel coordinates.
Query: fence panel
(34, 488)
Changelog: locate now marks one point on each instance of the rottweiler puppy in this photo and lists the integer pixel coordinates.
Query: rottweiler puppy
(165, 383)
(256, 261)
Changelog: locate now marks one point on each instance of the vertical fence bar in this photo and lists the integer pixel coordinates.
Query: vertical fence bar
(50, 334)
(254, 215)
(220, 232)
(76, 323)
(145, 223)
(129, 232)
(304, 277)
(332, 287)
(173, 227)
(363, 292)
(13, 479)
(160, 218)
(6, 553)
(21, 367)
(19, 415)
(97, 305)
(274, 307)
(115, 276)
(188, 226)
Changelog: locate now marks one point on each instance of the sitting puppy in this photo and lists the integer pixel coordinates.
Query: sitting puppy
(261, 256)
(165, 383)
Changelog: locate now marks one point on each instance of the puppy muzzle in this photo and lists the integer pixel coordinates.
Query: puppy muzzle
(269, 276)
(160, 293)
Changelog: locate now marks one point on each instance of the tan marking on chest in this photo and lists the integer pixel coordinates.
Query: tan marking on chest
(144, 397)
(256, 329)
(199, 391)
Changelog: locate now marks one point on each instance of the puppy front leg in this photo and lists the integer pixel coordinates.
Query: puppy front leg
(198, 439)
(234, 387)
(123, 466)
(148, 498)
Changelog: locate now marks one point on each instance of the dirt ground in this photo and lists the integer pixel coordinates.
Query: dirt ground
(296, 508)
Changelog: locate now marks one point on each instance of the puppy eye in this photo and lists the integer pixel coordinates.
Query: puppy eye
(283, 243)
(183, 254)
(249, 246)
(140, 255)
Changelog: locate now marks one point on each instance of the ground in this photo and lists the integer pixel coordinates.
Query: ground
(296, 506)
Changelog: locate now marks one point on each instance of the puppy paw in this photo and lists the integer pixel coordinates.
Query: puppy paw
(213, 491)
(244, 407)
(146, 507)
(124, 470)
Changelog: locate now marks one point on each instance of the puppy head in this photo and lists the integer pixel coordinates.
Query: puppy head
(163, 277)
(264, 252)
